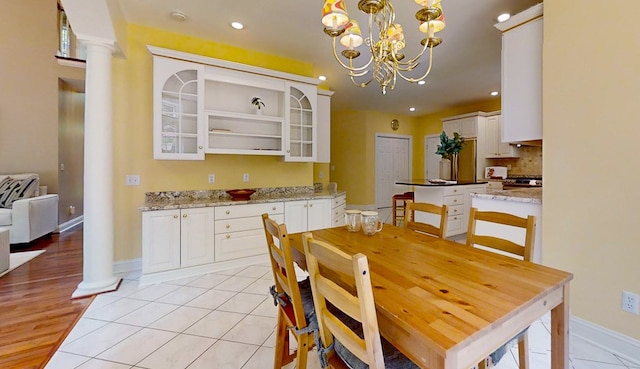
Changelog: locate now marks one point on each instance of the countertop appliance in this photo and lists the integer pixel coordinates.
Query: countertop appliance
(523, 181)
(495, 172)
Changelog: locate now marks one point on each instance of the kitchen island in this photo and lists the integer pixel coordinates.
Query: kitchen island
(520, 202)
(456, 195)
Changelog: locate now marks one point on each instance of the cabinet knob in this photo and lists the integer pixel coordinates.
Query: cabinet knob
(305, 206)
(200, 147)
(288, 151)
(228, 236)
(228, 212)
(273, 208)
(311, 205)
(455, 200)
(455, 190)
(175, 217)
(228, 226)
(184, 215)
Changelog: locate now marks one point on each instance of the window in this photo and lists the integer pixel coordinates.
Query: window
(68, 45)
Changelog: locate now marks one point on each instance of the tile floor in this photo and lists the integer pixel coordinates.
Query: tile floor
(225, 320)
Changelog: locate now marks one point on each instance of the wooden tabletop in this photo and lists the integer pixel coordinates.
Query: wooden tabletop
(447, 305)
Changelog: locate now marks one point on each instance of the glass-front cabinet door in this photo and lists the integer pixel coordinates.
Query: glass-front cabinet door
(178, 110)
(301, 122)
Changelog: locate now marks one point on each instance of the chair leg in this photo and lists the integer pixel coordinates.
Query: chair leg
(523, 351)
(302, 351)
(482, 364)
(281, 356)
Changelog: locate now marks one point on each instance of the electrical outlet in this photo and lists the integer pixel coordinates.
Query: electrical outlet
(132, 180)
(245, 177)
(321, 175)
(212, 178)
(631, 302)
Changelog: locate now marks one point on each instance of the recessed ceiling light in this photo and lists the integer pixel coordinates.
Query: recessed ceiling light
(412, 109)
(422, 82)
(503, 17)
(494, 93)
(322, 78)
(237, 25)
(178, 16)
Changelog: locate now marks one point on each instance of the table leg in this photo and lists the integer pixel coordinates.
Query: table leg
(560, 332)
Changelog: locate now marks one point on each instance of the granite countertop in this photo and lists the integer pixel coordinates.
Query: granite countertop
(168, 200)
(427, 183)
(526, 195)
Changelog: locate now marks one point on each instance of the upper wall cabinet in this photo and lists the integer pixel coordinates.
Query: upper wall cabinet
(209, 105)
(177, 118)
(522, 76)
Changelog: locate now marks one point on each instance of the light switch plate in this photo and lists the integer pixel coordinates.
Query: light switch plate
(132, 180)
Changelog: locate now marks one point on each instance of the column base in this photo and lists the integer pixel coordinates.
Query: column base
(88, 289)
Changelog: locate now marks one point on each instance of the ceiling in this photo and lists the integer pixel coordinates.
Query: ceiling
(466, 66)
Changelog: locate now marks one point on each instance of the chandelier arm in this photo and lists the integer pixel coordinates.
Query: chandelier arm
(361, 84)
(425, 74)
(347, 67)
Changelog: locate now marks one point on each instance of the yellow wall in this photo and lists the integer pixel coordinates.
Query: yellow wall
(133, 128)
(591, 86)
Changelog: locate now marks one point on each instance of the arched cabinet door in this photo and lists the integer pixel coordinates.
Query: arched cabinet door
(178, 128)
(301, 123)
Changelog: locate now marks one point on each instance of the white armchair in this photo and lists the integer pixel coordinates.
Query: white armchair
(30, 218)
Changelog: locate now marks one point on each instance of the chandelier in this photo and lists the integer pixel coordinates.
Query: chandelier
(387, 60)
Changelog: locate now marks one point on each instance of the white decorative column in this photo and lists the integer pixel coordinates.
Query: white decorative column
(97, 273)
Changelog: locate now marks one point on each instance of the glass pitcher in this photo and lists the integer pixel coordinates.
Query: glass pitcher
(353, 220)
(371, 222)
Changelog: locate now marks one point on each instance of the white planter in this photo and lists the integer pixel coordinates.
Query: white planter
(445, 169)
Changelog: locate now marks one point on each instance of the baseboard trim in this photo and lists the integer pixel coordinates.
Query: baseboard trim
(126, 266)
(70, 224)
(621, 345)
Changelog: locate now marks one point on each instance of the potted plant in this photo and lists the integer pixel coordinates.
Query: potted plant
(449, 149)
(258, 103)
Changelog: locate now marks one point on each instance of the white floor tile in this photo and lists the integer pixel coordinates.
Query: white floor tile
(630, 364)
(252, 329)
(211, 299)
(583, 350)
(65, 360)
(127, 287)
(180, 319)
(225, 355)
(100, 340)
(263, 358)
(101, 364)
(271, 340)
(242, 303)
(137, 346)
(183, 281)
(83, 327)
(588, 364)
(209, 280)
(182, 295)
(147, 314)
(177, 353)
(101, 301)
(154, 292)
(266, 308)
(115, 310)
(260, 287)
(235, 284)
(255, 271)
(215, 325)
(232, 271)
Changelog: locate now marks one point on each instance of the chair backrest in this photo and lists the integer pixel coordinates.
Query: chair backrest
(284, 272)
(441, 211)
(524, 249)
(335, 276)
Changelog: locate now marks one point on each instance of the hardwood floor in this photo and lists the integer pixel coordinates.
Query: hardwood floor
(36, 309)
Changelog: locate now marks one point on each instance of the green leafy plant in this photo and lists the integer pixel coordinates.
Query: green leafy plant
(449, 146)
(257, 102)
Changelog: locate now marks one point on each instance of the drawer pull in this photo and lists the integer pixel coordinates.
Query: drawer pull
(455, 200)
(228, 212)
(273, 208)
(305, 206)
(228, 236)
(184, 215)
(228, 226)
(311, 205)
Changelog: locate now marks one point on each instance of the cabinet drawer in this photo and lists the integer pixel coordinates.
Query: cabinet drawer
(456, 210)
(338, 211)
(454, 225)
(248, 210)
(339, 201)
(453, 200)
(450, 191)
(240, 245)
(243, 224)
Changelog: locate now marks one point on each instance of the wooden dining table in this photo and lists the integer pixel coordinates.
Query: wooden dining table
(446, 305)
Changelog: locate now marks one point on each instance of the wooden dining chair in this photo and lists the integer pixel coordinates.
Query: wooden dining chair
(442, 213)
(524, 249)
(295, 304)
(398, 202)
(346, 311)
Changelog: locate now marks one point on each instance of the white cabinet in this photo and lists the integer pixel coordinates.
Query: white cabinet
(457, 198)
(178, 128)
(301, 122)
(338, 207)
(324, 127)
(494, 147)
(466, 126)
(522, 76)
(174, 239)
(307, 215)
(239, 232)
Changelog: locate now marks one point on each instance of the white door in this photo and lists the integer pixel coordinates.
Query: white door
(393, 162)
(431, 159)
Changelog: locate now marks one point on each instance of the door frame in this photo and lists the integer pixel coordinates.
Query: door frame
(375, 160)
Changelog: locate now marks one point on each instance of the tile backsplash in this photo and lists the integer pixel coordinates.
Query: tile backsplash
(529, 163)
